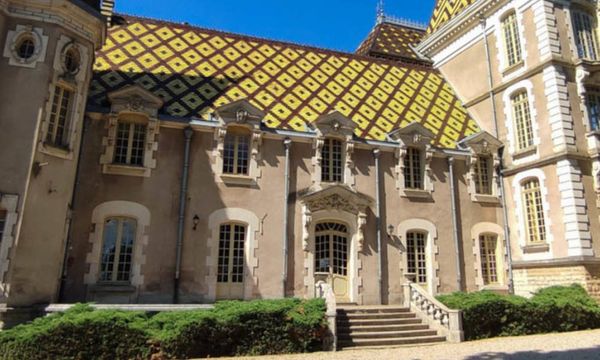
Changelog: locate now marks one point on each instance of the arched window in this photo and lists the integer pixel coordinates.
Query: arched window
(522, 119)
(331, 248)
(413, 169)
(586, 39)
(230, 268)
(533, 210)
(332, 167)
(416, 244)
(117, 249)
(488, 245)
(512, 43)
(236, 152)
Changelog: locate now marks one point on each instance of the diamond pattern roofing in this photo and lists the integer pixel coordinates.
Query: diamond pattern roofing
(444, 11)
(392, 41)
(196, 70)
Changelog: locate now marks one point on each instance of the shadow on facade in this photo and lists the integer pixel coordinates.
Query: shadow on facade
(579, 354)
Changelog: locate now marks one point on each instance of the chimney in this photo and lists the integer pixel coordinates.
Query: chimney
(107, 9)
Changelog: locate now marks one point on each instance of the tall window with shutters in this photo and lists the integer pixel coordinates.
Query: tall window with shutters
(522, 121)
(586, 38)
(332, 166)
(535, 223)
(59, 122)
(129, 146)
(236, 152)
(512, 42)
(483, 175)
(488, 244)
(117, 249)
(416, 256)
(413, 169)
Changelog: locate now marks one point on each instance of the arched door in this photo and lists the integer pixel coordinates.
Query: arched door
(230, 276)
(331, 257)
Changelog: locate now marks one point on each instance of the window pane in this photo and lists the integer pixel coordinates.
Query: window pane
(483, 175)
(224, 249)
(585, 36)
(243, 145)
(109, 249)
(522, 118)
(413, 178)
(489, 272)
(331, 248)
(58, 122)
(512, 41)
(593, 103)
(137, 145)
(122, 142)
(534, 212)
(2, 224)
(237, 271)
(415, 252)
(332, 167)
(126, 249)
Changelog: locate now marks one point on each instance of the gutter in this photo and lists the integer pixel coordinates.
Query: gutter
(287, 143)
(376, 154)
(188, 132)
(459, 275)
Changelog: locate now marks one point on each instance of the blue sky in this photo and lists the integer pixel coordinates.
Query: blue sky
(333, 24)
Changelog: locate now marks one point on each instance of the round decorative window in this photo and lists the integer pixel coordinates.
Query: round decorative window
(72, 60)
(25, 47)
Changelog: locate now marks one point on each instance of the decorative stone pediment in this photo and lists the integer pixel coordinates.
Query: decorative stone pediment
(135, 99)
(240, 112)
(335, 124)
(481, 143)
(415, 134)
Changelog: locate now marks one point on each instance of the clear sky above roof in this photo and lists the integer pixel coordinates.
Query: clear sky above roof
(332, 24)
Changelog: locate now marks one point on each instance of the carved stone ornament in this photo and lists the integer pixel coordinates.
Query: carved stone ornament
(135, 104)
(307, 220)
(241, 116)
(361, 223)
(332, 202)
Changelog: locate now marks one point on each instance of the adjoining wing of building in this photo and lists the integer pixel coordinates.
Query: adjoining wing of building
(147, 161)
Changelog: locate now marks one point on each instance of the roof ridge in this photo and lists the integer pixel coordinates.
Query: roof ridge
(284, 43)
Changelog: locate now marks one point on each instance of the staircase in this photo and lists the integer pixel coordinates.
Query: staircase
(375, 326)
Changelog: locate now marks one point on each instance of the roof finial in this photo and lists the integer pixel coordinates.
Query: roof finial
(380, 11)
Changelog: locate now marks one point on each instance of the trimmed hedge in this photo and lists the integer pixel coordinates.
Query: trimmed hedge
(554, 309)
(232, 328)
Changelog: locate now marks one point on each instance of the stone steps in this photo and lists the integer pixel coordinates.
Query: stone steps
(381, 326)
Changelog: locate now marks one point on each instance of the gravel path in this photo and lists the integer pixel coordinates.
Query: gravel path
(582, 345)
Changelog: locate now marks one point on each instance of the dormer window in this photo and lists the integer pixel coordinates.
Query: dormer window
(236, 152)
(129, 147)
(482, 177)
(483, 174)
(332, 166)
(413, 169)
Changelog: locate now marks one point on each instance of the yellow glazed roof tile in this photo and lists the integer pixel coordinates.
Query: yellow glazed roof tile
(196, 70)
(444, 11)
(392, 41)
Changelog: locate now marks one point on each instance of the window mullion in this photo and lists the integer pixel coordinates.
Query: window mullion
(115, 264)
(130, 143)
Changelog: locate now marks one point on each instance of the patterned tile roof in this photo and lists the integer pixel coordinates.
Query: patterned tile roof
(196, 70)
(392, 41)
(444, 11)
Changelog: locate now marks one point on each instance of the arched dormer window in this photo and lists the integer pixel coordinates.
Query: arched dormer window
(512, 43)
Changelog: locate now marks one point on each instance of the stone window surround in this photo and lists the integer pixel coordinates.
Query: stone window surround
(496, 19)
(140, 106)
(251, 221)
(9, 204)
(432, 250)
(484, 144)
(118, 209)
(483, 228)
(41, 46)
(545, 252)
(77, 83)
(520, 157)
(238, 114)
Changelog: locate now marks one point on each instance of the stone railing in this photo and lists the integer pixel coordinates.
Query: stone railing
(446, 321)
(324, 291)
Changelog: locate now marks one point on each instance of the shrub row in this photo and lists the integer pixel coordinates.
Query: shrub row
(231, 328)
(554, 309)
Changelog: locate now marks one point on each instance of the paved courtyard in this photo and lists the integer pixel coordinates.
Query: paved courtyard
(582, 345)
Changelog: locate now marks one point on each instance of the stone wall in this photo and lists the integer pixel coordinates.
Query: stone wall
(527, 281)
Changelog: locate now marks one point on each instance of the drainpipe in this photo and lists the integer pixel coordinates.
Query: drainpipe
(376, 154)
(500, 151)
(187, 133)
(287, 143)
(455, 224)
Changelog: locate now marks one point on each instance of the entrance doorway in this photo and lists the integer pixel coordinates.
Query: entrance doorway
(230, 276)
(331, 257)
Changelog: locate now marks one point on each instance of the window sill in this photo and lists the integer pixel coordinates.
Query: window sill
(230, 179)
(535, 248)
(525, 152)
(127, 170)
(512, 68)
(416, 194)
(486, 199)
(56, 151)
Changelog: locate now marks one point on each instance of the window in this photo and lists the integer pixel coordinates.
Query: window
(483, 175)
(60, 114)
(331, 165)
(25, 47)
(72, 60)
(489, 269)
(413, 177)
(2, 223)
(117, 249)
(512, 44)
(415, 252)
(331, 248)
(236, 153)
(593, 104)
(522, 120)
(231, 253)
(535, 224)
(585, 36)
(129, 148)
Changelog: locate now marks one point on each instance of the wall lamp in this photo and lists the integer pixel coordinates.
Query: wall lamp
(196, 221)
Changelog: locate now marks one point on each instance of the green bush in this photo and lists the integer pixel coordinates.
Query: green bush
(231, 328)
(555, 309)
